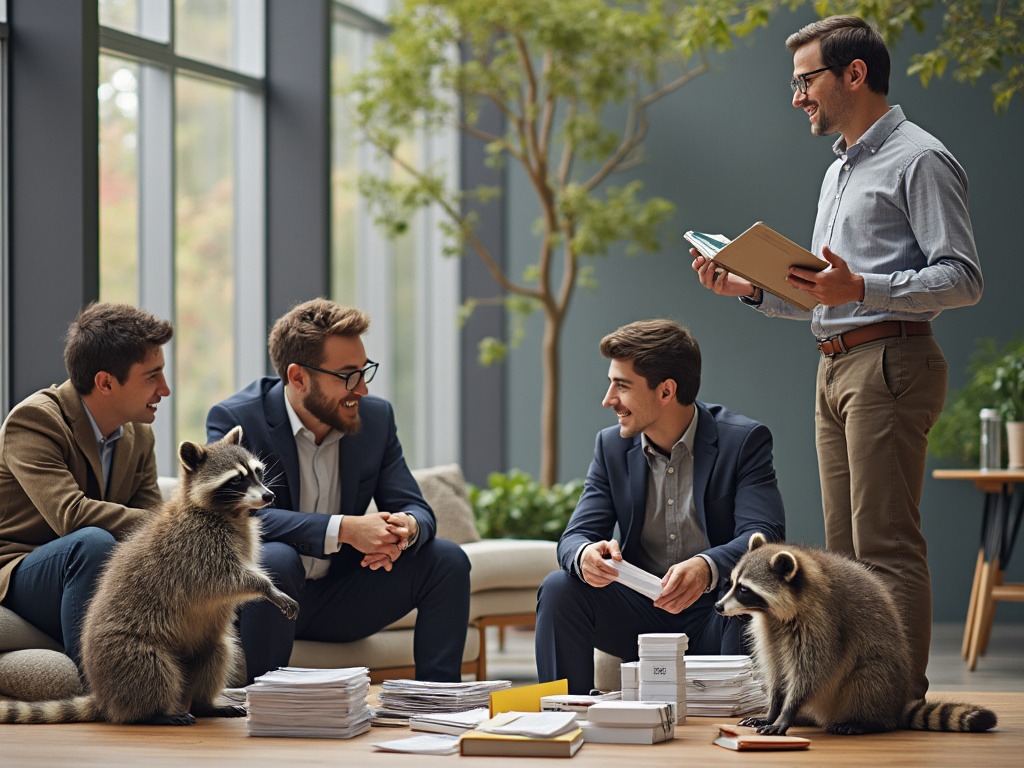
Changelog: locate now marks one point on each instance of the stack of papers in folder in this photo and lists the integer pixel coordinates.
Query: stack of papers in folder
(722, 686)
(525, 734)
(449, 722)
(404, 698)
(310, 703)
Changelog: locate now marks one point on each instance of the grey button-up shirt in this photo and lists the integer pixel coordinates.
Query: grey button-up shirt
(894, 207)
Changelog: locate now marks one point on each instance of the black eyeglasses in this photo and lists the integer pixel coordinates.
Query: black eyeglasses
(799, 82)
(351, 379)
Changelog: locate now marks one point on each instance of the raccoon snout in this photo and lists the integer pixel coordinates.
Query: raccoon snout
(268, 497)
(720, 606)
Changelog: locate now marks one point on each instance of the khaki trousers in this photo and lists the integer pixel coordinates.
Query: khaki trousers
(874, 407)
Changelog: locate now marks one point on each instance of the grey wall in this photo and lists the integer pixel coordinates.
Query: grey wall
(728, 150)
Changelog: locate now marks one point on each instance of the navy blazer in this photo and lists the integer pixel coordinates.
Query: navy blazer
(734, 490)
(371, 465)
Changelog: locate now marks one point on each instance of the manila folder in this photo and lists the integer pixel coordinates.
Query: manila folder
(763, 256)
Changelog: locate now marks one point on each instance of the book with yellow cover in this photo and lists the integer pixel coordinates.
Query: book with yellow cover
(741, 738)
(762, 256)
(483, 742)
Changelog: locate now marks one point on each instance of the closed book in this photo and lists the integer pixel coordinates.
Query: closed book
(485, 742)
(638, 734)
(741, 738)
(762, 256)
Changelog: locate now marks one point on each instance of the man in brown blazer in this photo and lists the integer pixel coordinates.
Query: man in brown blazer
(77, 467)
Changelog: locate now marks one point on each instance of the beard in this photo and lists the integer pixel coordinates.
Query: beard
(330, 413)
(831, 119)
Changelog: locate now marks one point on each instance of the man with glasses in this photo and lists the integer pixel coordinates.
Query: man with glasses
(893, 224)
(331, 447)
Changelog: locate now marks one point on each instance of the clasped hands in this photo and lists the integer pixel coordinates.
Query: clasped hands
(680, 587)
(382, 537)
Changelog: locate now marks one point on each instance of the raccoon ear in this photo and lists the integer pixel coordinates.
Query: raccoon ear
(234, 437)
(784, 564)
(756, 540)
(191, 455)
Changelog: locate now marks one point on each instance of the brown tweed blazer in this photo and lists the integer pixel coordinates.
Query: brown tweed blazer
(50, 476)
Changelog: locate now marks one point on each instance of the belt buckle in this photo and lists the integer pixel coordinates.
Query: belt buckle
(836, 346)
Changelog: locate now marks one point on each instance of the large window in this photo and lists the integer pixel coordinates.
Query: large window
(408, 287)
(181, 176)
(4, 324)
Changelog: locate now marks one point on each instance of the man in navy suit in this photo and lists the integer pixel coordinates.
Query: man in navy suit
(330, 448)
(685, 484)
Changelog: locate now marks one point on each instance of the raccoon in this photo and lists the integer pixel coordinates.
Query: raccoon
(829, 645)
(158, 641)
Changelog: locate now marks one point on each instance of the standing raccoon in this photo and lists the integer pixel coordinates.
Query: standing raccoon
(829, 645)
(158, 641)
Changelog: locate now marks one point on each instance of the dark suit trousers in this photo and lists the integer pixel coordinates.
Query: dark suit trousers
(353, 602)
(574, 618)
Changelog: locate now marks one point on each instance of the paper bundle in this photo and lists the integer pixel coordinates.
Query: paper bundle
(309, 703)
(722, 686)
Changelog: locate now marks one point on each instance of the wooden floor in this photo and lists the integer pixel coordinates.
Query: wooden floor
(224, 743)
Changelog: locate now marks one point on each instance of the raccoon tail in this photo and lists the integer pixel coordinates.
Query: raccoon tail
(924, 715)
(80, 709)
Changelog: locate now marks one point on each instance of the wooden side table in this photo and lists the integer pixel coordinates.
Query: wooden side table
(1001, 517)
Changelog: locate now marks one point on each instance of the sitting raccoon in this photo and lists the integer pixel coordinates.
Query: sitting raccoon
(158, 641)
(829, 646)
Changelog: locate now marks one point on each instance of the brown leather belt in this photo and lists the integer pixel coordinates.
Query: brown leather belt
(844, 342)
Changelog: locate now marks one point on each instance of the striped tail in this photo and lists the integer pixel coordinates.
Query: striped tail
(81, 709)
(924, 715)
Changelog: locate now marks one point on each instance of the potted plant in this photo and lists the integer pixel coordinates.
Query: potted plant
(515, 506)
(1009, 390)
(995, 380)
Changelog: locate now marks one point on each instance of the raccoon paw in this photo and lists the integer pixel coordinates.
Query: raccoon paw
(773, 729)
(225, 710)
(754, 722)
(854, 729)
(289, 608)
(182, 719)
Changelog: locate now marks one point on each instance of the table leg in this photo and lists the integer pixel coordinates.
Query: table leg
(972, 606)
(981, 612)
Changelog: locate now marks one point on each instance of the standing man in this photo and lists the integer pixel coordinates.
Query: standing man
(893, 224)
(77, 468)
(330, 448)
(686, 484)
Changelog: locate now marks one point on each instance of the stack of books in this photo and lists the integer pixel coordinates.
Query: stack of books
(309, 703)
(405, 698)
(662, 669)
(723, 686)
(630, 722)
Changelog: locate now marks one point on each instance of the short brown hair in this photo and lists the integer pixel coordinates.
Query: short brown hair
(298, 336)
(111, 338)
(659, 350)
(843, 39)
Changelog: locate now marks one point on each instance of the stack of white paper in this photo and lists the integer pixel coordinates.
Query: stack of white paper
(637, 579)
(311, 703)
(449, 722)
(404, 698)
(722, 686)
(534, 725)
(662, 669)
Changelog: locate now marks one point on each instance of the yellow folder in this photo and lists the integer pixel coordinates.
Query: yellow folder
(526, 698)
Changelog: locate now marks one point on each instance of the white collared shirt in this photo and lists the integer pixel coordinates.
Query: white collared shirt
(319, 486)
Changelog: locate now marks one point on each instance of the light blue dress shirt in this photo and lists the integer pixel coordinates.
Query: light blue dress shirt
(894, 207)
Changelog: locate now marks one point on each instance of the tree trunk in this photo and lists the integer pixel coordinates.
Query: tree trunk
(549, 399)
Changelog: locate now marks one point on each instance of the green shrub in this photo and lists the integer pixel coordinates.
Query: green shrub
(996, 378)
(514, 506)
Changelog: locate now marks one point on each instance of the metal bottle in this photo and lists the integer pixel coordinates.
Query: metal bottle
(991, 439)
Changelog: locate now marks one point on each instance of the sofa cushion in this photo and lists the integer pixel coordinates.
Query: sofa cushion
(392, 648)
(38, 675)
(510, 563)
(17, 634)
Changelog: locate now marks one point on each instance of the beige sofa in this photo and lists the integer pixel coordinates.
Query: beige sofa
(503, 583)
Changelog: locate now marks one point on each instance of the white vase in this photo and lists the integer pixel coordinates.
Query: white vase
(1015, 444)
